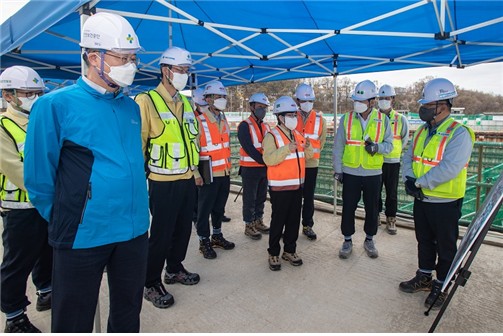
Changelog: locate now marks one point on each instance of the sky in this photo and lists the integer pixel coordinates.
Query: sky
(484, 77)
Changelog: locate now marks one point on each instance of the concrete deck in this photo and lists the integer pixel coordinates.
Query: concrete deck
(238, 292)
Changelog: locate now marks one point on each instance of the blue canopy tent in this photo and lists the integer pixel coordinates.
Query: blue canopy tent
(241, 42)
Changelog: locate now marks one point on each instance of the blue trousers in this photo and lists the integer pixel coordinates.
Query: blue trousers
(254, 192)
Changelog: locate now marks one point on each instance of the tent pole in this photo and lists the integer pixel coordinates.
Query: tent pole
(335, 128)
(170, 28)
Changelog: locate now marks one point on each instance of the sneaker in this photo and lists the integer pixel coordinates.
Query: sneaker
(206, 249)
(251, 232)
(370, 248)
(309, 233)
(43, 301)
(293, 258)
(391, 225)
(184, 277)
(346, 249)
(159, 296)
(421, 282)
(260, 226)
(274, 263)
(218, 240)
(20, 324)
(436, 291)
(225, 219)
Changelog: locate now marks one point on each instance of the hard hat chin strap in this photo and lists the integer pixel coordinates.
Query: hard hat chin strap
(101, 72)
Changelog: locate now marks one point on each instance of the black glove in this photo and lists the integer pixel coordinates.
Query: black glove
(371, 147)
(412, 190)
(338, 177)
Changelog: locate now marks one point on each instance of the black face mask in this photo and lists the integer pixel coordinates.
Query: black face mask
(427, 114)
(260, 113)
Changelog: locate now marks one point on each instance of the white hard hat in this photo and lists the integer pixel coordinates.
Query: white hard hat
(259, 98)
(387, 91)
(109, 32)
(215, 87)
(21, 77)
(304, 92)
(176, 56)
(364, 90)
(284, 104)
(198, 97)
(438, 89)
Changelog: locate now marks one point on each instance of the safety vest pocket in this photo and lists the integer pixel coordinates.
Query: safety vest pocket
(156, 155)
(191, 129)
(176, 150)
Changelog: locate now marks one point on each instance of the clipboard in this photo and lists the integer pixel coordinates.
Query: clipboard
(205, 170)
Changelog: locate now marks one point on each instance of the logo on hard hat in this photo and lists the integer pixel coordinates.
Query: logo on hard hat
(360, 92)
(130, 38)
(35, 80)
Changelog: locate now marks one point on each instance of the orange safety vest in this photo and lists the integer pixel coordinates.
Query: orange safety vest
(215, 145)
(257, 135)
(291, 172)
(312, 130)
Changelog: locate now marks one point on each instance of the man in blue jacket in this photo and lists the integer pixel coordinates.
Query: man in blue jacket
(84, 172)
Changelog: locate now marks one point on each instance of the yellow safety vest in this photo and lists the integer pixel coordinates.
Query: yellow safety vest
(395, 119)
(175, 150)
(13, 197)
(425, 158)
(355, 154)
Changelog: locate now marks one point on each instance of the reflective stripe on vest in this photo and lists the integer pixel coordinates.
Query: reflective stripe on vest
(215, 144)
(425, 158)
(11, 197)
(397, 125)
(175, 150)
(291, 172)
(312, 129)
(355, 154)
(257, 136)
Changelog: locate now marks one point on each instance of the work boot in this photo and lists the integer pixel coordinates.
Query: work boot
(421, 282)
(370, 248)
(43, 301)
(206, 249)
(260, 226)
(251, 232)
(274, 263)
(20, 324)
(309, 233)
(346, 249)
(218, 240)
(159, 296)
(293, 258)
(391, 225)
(184, 277)
(436, 291)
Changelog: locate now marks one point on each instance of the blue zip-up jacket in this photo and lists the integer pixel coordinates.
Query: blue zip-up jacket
(84, 168)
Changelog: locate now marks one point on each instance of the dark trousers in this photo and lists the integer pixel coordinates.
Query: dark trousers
(285, 215)
(436, 226)
(171, 206)
(212, 199)
(308, 196)
(352, 189)
(390, 176)
(254, 192)
(76, 285)
(25, 251)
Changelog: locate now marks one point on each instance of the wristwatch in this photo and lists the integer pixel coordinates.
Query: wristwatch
(417, 185)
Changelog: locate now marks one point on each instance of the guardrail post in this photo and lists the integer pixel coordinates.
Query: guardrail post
(479, 175)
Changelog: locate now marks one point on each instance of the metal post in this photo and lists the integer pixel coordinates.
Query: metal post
(335, 129)
(479, 175)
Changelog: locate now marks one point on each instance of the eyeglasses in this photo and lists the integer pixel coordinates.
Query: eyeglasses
(29, 94)
(132, 58)
(180, 70)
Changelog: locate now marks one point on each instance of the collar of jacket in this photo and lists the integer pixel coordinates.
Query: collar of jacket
(107, 96)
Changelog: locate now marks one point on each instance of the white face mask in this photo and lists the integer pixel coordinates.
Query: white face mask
(220, 103)
(359, 107)
(306, 106)
(384, 104)
(27, 103)
(123, 75)
(291, 123)
(179, 80)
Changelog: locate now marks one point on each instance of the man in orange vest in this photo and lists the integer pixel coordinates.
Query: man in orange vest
(285, 153)
(252, 168)
(215, 147)
(311, 124)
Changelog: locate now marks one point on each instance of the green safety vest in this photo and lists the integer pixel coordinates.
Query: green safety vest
(425, 158)
(13, 197)
(355, 154)
(395, 119)
(175, 150)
